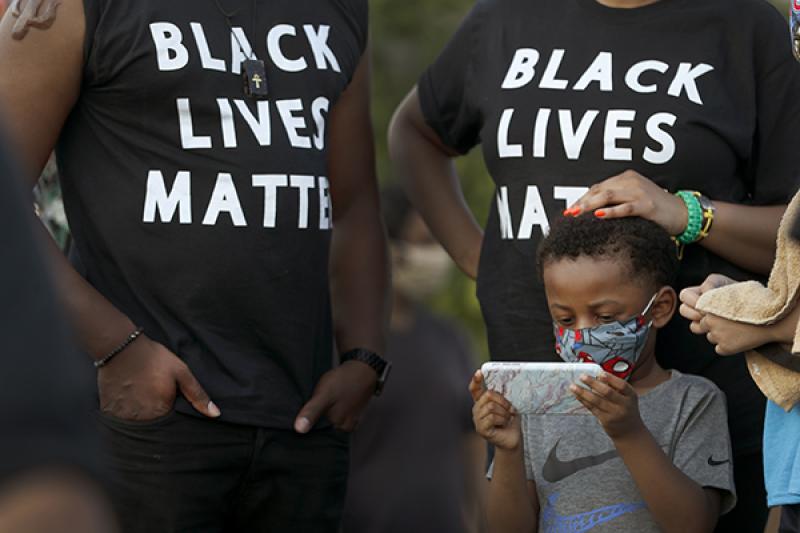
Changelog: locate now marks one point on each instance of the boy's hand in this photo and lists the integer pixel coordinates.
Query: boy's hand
(613, 402)
(494, 418)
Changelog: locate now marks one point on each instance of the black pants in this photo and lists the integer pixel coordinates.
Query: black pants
(790, 519)
(751, 511)
(185, 474)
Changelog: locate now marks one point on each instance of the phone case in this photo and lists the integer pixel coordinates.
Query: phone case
(539, 388)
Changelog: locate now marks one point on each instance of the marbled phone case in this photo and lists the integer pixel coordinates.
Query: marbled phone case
(539, 388)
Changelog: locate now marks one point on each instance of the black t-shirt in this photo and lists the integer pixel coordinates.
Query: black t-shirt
(565, 93)
(205, 215)
(408, 465)
(45, 383)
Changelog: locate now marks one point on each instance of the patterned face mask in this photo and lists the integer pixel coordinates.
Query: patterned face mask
(795, 25)
(615, 346)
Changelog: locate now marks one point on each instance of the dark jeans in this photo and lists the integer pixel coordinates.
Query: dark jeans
(790, 519)
(751, 511)
(181, 473)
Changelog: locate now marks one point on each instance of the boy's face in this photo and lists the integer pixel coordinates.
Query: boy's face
(587, 292)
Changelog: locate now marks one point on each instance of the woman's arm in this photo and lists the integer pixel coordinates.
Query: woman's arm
(513, 505)
(742, 234)
(745, 235)
(425, 166)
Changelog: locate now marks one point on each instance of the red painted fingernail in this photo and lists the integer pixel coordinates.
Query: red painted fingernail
(576, 211)
(599, 213)
(567, 212)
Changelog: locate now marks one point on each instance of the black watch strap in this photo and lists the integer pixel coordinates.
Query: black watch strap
(381, 366)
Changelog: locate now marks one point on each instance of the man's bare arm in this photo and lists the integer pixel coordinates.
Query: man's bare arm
(358, 262)
(37, 94)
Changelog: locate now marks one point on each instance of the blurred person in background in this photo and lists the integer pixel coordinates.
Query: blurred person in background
(613, 107)
(218, 176)
(50, 474)
(416, 463)
(49, 471)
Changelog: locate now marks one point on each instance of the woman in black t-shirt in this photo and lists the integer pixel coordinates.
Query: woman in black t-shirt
(639, 100)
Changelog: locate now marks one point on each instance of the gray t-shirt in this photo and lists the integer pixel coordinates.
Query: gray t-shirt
(583, 484)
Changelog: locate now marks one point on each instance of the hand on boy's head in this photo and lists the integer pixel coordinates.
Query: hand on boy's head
(630, 194)
(613, 402)
(494, 417)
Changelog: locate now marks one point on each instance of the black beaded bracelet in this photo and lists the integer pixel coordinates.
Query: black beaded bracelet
(132, 337)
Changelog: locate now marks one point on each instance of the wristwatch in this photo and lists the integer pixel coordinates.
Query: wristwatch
(381, 366)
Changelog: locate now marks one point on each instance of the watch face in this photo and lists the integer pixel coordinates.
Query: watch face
(384, 376)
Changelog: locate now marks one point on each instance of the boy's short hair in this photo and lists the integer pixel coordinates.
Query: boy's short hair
(644, 246)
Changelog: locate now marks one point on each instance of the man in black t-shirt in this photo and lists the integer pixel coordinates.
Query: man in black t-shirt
(629, 98)
(207, 151)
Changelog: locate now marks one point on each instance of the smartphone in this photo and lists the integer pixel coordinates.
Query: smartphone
(539, 388)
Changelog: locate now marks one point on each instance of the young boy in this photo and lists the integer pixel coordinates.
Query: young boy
(655, 455)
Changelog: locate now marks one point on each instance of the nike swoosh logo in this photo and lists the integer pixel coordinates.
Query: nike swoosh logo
(554, 469)
(712, 462)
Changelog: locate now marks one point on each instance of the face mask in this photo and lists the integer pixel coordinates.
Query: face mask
(795, 26)
(615, 346)
(419, 270)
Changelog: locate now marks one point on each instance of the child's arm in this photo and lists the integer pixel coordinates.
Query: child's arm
(512, 505)
(729, 337)
(678, 504)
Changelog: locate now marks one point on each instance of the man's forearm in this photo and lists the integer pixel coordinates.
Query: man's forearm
(360, 277)
(99, 326)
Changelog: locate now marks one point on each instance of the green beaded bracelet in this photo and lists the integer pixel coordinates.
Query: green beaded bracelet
(694, 225)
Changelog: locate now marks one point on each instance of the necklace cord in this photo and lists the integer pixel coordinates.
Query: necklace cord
(228, 16)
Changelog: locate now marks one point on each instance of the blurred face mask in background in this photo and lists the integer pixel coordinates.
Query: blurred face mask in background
(419, 270)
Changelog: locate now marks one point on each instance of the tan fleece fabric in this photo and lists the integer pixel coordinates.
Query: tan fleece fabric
(750, 302)
(778, 383)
